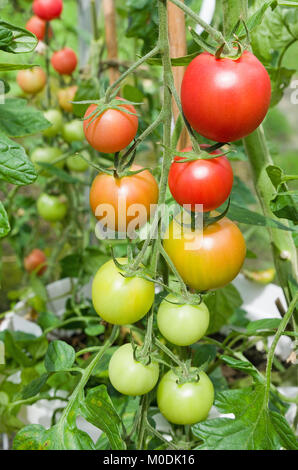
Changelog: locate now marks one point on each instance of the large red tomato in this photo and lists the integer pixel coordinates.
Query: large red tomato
(112, 131)
(206, 259)
(48, 9)
(224, 99)
(120, 194)
(64, 61)
(36, 259)
(32, 81)
(208, 182)
(37, 26)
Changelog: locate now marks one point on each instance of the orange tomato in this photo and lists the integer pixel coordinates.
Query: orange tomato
(32, 81)
(65, 96)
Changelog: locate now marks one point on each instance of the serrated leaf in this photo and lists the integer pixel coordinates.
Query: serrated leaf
(263, 324)
(98, 409)
(245, 216)
(59, 356)
(221, 304)
(245, 366)
(34, 387)
(17, 119)
(4, 222)
(15, 165)
(254, 20)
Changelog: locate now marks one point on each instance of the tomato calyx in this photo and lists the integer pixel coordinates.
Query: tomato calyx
(208, 220)
(102, 106)
(187, 374)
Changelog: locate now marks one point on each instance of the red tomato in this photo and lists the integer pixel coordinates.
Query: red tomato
(207, 182)
(224, 99)
(32, 81)
(47, 9)
(209, 259)
(35, 259)
(65, 61)
(37, 26)
(112, 131)
(140, 188)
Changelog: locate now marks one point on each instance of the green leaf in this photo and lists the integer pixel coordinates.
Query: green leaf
(132, 93)
(221, 304)
(263, 324)
(59, 356)
(245, 216)
(254, 20)
(245, 366)
(22, 39)
(15, 165)
(34, 387)
(98, 409)
(87, 90)
(17, 119)
(255, 427)
(4, 222)
(176, 62)
(61, 174)
(284, 203)
(241, 193)
(94, 329)
(9, 67)
(280, 80)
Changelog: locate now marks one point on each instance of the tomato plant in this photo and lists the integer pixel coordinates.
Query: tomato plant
(120, 300)
(36, 261)
(32, 81)
(129, 376)
(207, 259)
(48, 9)
(65, 61)
(51, 208)
(186, 403)
(225, 99)
(37, 26)
(127, 196)
(182, 324)
(208, 182)
(111, 131)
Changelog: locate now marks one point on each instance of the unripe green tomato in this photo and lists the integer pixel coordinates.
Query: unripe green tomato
(130, 377)
(77, 163)
(182, 324)
(187, 403)
(46, 155)
(51, 208)
(120, 300)
(73, 131)
(54, 116)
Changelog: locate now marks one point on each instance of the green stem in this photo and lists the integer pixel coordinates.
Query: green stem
(131, 69)
(276, 338)
(171, 355)
(47, 58)
(216, 35)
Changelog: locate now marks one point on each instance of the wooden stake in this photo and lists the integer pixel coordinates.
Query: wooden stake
(178, 48)
(111, 36)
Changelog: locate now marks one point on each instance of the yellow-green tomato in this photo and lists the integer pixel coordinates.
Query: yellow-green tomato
(51, 208)
(182, 324)
(77, 163)
(54, 116)
(120, 300)
(46, 155)
(130, 377)
(73, 131)
(188, 403)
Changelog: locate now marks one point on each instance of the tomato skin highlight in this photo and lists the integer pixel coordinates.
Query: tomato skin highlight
(130, 377)
(35, 259)
(65, 61)
(140, 188)
(47, 9)
(209, 259)
(188, 403)
(207, 182)
(182, 324)
(37, 26)
(32, 81)
(119, 300)
(112, 131)
(51, 208)
(223, 99)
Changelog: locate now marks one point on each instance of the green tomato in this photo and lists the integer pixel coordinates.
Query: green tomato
(46, 155)
(77, 163)
(73, 131)
(54, 116)
(120, 300)
(188, 403)
(130, 377)
(51, 208)
(182, 324)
